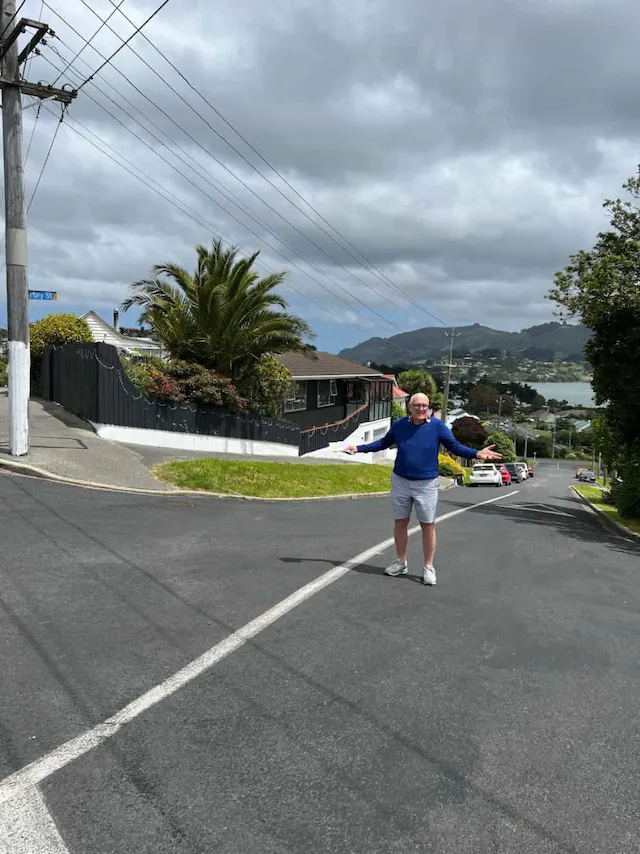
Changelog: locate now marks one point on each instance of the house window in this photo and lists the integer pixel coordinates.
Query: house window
(327, 392)
(296, 399)
(379, 433)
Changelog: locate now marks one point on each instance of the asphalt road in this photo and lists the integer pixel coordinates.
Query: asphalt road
(496, 712)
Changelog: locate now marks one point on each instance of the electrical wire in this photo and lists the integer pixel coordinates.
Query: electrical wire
(46, 160)
(44, 166)
(152, 184)
(340, 295)
(33, 130)
(88, 42)
(124, 43)
(379, 274)
(226, 168)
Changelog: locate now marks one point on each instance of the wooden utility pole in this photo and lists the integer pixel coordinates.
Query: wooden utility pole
(13, 87)
(445, 405)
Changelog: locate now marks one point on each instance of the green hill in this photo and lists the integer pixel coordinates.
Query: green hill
(545, 342)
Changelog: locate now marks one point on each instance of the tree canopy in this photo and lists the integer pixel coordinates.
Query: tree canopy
(469, 431)
(222, 316)
(601, 287)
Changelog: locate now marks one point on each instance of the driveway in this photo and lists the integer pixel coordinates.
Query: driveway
(496, 712)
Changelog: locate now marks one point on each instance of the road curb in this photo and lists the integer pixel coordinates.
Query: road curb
(29, 470)
(606, 521)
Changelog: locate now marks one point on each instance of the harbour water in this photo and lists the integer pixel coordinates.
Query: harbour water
(577, 394)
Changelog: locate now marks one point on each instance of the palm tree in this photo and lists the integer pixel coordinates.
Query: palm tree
(224, 316)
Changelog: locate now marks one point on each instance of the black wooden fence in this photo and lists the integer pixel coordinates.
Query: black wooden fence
(89, 381)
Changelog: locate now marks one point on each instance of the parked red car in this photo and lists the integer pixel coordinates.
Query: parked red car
(506, 477)
(530, 471)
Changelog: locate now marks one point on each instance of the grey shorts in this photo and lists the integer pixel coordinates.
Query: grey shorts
(421, 493)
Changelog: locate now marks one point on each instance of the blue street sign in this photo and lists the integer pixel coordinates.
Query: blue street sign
(43, 295)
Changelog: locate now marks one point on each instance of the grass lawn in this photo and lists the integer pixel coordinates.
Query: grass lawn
(274, 480)
(595, 497)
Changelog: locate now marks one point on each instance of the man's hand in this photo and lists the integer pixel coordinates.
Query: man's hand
(488, 454)
(350, 449)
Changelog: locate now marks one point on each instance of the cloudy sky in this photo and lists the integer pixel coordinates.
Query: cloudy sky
(463, 148)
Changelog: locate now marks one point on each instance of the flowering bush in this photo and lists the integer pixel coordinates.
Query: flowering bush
(448, 467)
(205, 387)
(181, 381)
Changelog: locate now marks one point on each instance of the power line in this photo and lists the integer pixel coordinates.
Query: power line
(46, 160)
(124, 43)
(44, 166)
(228, 212)
(226, 168)
(87, 43)
(379, 274)
(152, 184)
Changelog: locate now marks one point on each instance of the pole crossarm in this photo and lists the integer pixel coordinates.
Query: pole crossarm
(41, 30)
(40, 90)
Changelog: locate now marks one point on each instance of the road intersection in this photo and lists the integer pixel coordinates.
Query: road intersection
(494, 713)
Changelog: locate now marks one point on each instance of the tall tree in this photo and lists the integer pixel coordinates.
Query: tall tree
(223, 316)
(601, 287)
(416, 381)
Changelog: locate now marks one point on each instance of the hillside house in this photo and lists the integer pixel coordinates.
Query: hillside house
(334, 400)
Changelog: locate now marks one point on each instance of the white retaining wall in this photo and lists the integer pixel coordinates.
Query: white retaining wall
(193, 442)
(361, 436)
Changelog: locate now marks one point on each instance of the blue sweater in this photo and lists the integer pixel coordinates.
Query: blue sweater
(418, 446)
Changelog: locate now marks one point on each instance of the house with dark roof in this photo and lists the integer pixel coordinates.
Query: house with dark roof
(334, 400)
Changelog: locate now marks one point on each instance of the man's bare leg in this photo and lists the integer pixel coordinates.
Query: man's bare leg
(401, 538)
(428, 543)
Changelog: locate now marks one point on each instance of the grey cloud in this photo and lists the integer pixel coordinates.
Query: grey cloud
(464, 147)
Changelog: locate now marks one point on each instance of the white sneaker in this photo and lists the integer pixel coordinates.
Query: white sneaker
(429, 576)
(398, 567)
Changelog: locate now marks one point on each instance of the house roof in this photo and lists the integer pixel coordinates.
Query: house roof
(317, 365)
(398, 393)
(103, 332)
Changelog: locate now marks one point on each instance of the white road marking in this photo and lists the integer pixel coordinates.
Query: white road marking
(34, 773)
(539, 508)
(26, 827)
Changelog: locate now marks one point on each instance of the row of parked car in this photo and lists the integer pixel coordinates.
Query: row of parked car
(499, 474)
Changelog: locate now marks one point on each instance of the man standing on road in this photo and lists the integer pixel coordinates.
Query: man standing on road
(415, 477)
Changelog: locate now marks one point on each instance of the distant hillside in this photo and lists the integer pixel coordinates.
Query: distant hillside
(545, 342)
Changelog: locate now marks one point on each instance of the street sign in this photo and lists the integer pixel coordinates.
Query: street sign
(43, 295)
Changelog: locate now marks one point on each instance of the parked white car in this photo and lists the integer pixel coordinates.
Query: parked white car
(524, 468)
(485, 474)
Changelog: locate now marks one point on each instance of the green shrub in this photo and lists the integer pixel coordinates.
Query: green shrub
(397, 411)
(448, 467)
(625, 493)
(265, 386)
(204, 387)
(56, 330)
(3, 373)
(503, 445)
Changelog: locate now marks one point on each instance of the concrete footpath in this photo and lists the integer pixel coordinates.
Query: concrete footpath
(65, 446)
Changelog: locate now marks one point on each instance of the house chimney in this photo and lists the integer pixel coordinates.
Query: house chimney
(116, 320)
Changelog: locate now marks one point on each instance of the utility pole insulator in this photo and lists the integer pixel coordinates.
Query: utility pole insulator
(13, 87)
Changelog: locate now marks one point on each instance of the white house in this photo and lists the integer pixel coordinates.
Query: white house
(104, 333)
(454, 414)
